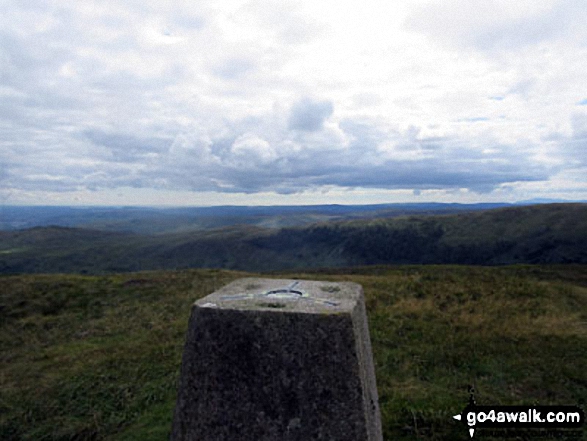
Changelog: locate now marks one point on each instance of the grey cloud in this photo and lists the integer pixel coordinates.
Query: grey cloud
(128, 148)
(522, 88)
(571, 148)
(364, 132)
(475, 119)
(24, 60)
(448, 163)
(309, 115)
(579, 125)
(450, 167)
(106, 125)
(203, 162)
(575, 146)
(184, 21)
(284, 20)
(233, 68)
(485, 25)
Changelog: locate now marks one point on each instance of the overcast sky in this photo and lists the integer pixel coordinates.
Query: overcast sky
(292, 102)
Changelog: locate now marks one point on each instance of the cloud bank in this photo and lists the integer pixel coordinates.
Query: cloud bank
(253, 97)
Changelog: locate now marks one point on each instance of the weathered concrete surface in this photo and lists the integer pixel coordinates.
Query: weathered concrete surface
(266, 364)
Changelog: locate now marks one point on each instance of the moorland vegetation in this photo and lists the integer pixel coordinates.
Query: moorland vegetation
(97, 357)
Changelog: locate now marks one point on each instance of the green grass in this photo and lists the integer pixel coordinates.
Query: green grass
(98, 357)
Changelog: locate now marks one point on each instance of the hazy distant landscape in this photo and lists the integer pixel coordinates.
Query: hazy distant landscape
(172, 220)
(97, 241)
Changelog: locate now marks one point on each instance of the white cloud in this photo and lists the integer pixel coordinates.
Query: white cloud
(489, 25)
(253, 97)
(309, 116)
(249, 148)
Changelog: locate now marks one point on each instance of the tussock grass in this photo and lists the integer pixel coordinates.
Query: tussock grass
(98, 357)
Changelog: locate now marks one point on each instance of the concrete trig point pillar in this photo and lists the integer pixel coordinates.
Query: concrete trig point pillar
(278, 360)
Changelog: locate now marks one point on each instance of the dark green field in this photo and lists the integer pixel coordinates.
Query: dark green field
(97, 357)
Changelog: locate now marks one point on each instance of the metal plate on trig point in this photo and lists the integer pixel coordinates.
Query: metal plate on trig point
(291, 295)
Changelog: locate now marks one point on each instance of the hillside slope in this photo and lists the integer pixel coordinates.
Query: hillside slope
(555, 233)
(98, 357)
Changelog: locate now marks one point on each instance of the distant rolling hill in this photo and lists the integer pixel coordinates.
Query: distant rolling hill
(549, 233)
(149, 220)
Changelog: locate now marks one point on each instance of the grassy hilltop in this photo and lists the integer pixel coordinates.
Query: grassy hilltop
(98, 357)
